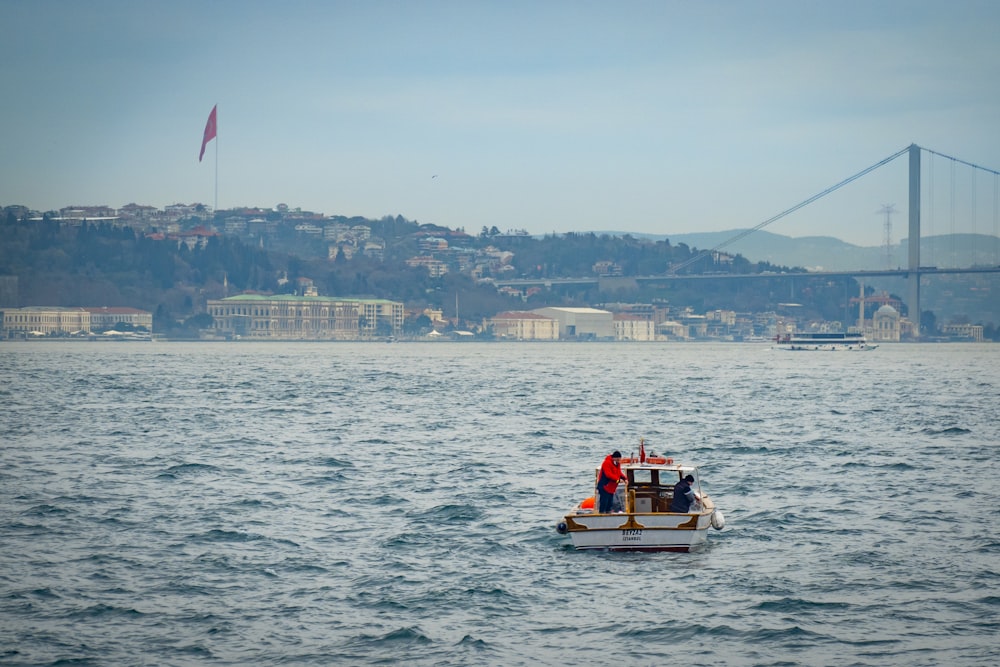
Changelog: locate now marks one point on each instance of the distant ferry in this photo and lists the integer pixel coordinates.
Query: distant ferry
(854, 342)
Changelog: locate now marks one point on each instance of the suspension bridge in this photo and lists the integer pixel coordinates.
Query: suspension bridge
(979, 201)
(915, 269)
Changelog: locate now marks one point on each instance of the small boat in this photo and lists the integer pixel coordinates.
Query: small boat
(852, 342)
(641, 519)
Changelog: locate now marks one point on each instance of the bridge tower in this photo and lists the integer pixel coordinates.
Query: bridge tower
(914, 244)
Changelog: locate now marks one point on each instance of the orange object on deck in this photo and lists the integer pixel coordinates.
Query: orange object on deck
(588, 503)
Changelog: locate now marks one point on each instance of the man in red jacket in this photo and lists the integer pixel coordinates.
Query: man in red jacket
(611, 474)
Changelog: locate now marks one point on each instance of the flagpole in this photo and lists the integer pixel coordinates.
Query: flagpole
(216, 206)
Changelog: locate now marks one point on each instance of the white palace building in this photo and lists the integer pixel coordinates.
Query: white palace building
(292, 317)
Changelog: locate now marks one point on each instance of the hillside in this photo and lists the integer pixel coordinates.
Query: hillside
(832, 254)
(47, 262)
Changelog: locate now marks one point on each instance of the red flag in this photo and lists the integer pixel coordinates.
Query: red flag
(209, 133)
(642, 451)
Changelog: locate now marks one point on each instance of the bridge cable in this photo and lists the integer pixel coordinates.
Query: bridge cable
(972, 216)
(674, 269)
(929, 216)
(974, 167)
(951, 234)
(955, 159)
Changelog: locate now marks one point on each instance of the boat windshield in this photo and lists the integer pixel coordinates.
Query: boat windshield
(642, 476)
(662, 479)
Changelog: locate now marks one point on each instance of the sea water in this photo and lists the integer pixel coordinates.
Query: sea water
(321, 504)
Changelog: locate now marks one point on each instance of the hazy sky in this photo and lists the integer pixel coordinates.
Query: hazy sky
(656, 117)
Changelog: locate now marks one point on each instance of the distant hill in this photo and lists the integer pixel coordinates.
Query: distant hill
(826, 252)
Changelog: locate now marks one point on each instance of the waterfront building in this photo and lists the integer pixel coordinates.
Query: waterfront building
(106, 317)
(520, 325)
(697, 325)
(671, 330)
(634, 327)
(972, 332)
(292, 317)
(886, 325)
(44, 321)
(581, 323)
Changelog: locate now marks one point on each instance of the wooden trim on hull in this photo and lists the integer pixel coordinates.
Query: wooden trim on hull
(578, 522)
(679, 549)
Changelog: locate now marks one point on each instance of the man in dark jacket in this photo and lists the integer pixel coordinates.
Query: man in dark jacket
(683, 495)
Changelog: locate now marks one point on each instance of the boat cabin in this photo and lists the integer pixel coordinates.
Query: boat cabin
(650, 488)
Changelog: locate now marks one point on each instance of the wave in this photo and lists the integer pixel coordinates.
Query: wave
(948, 431)
(183, 469)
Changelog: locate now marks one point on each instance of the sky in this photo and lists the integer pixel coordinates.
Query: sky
(661, 117)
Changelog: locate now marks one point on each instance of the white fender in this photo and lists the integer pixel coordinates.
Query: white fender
(718, 521)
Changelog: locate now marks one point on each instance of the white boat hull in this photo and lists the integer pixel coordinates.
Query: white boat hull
(806, 347)
(639, 532)
(822, 342)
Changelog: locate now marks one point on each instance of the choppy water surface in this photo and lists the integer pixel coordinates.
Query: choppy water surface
(316, 504)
